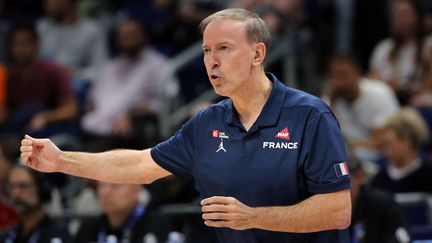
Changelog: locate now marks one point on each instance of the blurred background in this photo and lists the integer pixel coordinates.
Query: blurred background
(95, 75)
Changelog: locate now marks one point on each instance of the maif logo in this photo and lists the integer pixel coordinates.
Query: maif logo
(284, 134)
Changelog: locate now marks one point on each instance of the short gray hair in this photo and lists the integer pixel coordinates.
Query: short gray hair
(256, 29)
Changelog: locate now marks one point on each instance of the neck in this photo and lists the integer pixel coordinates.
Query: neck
(118, 219)
(31, 221)
(408, 38)
(250, 102)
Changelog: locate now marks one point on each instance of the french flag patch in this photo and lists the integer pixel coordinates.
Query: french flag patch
(341, 169)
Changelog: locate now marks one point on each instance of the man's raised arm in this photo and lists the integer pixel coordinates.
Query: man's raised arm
(117, 166)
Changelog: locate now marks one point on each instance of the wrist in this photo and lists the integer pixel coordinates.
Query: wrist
(62, 162)
(257, 213)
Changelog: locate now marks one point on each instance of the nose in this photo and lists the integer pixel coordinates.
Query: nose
(213, 60)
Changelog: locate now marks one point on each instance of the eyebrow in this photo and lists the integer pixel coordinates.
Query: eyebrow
(219, 44)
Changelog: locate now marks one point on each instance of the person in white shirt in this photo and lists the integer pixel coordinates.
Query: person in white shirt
(361, 105)
(127, 85)
(398, 59)
(77, 43)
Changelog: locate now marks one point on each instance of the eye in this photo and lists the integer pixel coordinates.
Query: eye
(222, 48)
(206, 50)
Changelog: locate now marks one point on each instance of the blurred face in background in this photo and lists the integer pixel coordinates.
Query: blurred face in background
(23, 191)
(273, 23)
(57, 9)
(130, 38)
(396, 148)
(23, 47)
(344, 78)
(404, 18)
(117, 198)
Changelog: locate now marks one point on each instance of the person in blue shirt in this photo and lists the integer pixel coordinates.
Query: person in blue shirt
(269, 161)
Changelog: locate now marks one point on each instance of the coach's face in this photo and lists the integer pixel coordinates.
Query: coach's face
(228, 56)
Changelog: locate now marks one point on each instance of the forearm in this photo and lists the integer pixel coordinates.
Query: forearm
(317, 213)
(119, 166)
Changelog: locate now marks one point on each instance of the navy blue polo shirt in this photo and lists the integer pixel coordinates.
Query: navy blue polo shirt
(293, 151)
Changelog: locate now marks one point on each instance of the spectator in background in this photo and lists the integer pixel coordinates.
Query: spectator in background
(40, 100)
(376, 215)
(3, 80)
(77, 43)
(127, 87)
(28, 192)
(398, 59)
(124, 217)
(403, 135)
(361, 105)
(9, 153)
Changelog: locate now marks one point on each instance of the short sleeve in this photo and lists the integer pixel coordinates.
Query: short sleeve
(323, 156)
(176, 153)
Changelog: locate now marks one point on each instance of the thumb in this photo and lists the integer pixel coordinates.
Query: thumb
(28, 137)
(36, 140)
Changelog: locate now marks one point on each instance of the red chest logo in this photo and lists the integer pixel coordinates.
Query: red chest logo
(284, 134)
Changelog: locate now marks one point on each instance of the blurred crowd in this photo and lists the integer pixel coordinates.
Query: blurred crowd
(87, 73)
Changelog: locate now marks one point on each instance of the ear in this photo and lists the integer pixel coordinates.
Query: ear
(260, 53)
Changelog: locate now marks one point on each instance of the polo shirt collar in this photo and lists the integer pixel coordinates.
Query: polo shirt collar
(269, 116)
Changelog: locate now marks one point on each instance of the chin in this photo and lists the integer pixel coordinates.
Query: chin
(220, 92)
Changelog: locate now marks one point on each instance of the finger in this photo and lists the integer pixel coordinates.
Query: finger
(216, 208)
(26, 154)
(217, 216)
(26, 142)
(218, 224)
(218, 200)
(26, 148)
(24, 160)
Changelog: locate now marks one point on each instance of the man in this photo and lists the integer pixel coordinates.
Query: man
(40, 99)
(127, 87)
(282, 177)
(125, 217)
(9, 153)
(376, 215)
(75, 42)
(361, 105)
(28, 192)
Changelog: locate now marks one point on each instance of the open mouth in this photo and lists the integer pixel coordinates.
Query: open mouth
(214, 77)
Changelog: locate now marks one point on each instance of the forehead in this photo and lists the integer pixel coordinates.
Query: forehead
(129, 25)
(18, 174)
(221, 30)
